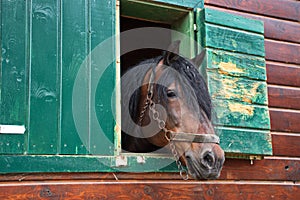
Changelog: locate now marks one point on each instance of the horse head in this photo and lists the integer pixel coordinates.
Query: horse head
(172, 108)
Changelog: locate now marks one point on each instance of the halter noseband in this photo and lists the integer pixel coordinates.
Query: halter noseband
(173, 136)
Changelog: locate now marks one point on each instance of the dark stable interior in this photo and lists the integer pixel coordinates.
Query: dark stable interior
(132, 58)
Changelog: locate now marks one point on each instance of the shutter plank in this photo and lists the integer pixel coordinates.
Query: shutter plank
(103, 78)
(239, 114)
(235, 88)
(13, 73)
(237, 65)
(45, 96)
(75, 134)
(234, 140)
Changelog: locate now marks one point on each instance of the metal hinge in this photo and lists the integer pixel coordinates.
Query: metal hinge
(12, 129)
(252, 158)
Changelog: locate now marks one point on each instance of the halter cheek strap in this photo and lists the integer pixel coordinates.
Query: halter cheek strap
(193, 137)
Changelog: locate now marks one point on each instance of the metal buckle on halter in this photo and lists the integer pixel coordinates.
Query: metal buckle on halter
(192, 137)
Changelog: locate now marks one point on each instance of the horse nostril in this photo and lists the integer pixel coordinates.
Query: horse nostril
(208, 159)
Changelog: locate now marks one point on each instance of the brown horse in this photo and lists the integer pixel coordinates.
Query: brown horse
(165, 103)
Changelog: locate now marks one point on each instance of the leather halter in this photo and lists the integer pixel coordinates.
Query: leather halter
(175, 136)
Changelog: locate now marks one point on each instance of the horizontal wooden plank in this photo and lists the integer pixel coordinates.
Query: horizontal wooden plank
(235, 64)
(283, 74)
(286, 9)
(276, 29)
(284, 97)
(270, 168)
(185, 3)
(241, 114)
(245, 141)
(86, 163)
(285, 120)
(218, 37)
(226, 19)
(150, 190)
(152, 11)
(282, 51)
(286, 144)
(237, 88)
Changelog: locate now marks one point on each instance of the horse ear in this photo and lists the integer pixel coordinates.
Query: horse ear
(172, 53)
(199, 58)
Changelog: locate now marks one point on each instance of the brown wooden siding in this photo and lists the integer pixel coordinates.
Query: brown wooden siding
(152, 190)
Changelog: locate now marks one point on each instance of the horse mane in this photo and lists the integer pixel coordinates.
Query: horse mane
(185, 74)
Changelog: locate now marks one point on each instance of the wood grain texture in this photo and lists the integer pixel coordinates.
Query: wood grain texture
(234, 40)
(274, 28)
(153, 12)
(282, 51)
(44, 78)
(86, 163)
(274, 8)
(270, 168)
(150, 190)
(286, 144)
(13, 73)
(214, 16)
(284, 97)
(241, 114)
(245, 141)
(74, 51)
(283, 74)
(185, 3)
(236, 65)
(238, 89)
(285, 120)
(102, 78)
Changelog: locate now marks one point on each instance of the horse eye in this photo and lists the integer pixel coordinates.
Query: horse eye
(171, 94)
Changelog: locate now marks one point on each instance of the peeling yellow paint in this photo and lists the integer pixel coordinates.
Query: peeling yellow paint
(253, 90)
(228, 88)
(250, 94)
(246, 99)
(243, 109)
(229, 68)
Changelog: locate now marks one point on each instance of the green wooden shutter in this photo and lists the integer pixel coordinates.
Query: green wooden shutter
(236, 75)
(44, 44)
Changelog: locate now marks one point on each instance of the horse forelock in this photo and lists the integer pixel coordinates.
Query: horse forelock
(193, 87)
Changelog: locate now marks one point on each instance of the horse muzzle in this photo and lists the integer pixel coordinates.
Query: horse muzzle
(205, 165)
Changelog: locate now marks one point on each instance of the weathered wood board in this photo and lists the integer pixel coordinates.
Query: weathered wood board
(237, 65)
(13, 73)
(237, 88)
(154, 189)
(240, 114)
(152, 11)
(231, 140)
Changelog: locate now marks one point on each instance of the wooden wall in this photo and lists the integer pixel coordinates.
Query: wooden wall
(276, 177)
